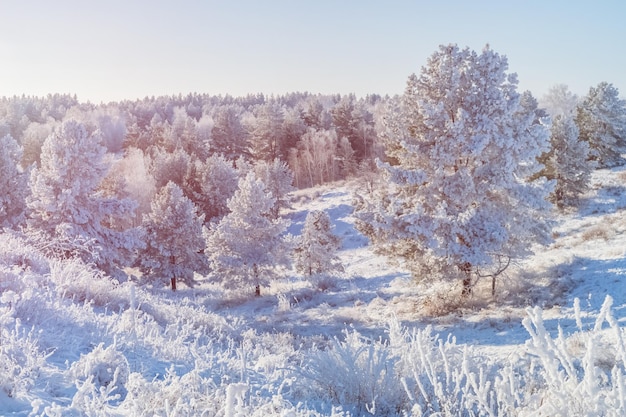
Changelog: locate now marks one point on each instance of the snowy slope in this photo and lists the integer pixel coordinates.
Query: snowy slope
(74, 343)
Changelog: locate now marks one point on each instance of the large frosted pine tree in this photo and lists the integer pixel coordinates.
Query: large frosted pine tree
(247, 246)
(68, 213)
(460, 148)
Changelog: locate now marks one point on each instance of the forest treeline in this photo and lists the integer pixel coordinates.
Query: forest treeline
(460, 172)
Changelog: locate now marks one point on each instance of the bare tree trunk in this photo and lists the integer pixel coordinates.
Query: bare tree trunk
(173, 279)
(467, 280)
(257, 288)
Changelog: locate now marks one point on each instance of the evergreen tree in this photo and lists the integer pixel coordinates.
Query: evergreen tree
(266, 133)
(13, 184)
(247, 246)
(68, 211)
(560, 101)
(457, 199)
(170, 166)
(346, 124)
(601, 120)
(213, 182)
(567, 162)
(278, 180)
(317, 246)
(174, 239)
(228, 136)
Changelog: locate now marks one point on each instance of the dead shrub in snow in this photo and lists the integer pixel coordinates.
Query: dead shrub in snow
(442, 300)
(599, 231)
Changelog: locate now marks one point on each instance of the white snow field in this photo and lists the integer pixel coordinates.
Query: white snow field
(369, 342)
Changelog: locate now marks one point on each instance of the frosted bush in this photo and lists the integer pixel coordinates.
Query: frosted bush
(324, 282)
(584, 384)
(102, 368)
(358, 373)
(21, 360)
(17, 255)
(82, 282)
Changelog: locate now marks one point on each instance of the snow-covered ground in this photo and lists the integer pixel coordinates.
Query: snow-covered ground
(370, 342)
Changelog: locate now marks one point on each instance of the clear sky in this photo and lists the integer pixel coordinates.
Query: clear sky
(125, 49)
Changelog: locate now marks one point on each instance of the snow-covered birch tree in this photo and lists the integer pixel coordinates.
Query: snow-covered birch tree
(460, 149)
(247, 246)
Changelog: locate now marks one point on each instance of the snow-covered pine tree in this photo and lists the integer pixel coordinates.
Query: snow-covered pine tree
(601, 121)
(317, 246)
(461, 147)
(567, 162)
(168, 166)
(228, 136)
(247, 246)
(211, 184)
(13, 184)
(174, 239)
(278, 180)
(560, 101)
(266, 132)
(68, 214)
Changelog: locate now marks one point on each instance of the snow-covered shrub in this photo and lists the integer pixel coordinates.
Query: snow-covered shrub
(581, 382)
(323, 282)
(356, 373)
(82, 282)
(16, 252)
(21, 359)
(102, 368)
(439, 377)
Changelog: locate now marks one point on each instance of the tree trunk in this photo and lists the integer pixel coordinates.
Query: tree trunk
(257, 289)
(467, 287)
(467, 281)
(173, 279)
(493, 286)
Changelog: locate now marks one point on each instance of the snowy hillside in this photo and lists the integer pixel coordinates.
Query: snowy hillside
(369, 342)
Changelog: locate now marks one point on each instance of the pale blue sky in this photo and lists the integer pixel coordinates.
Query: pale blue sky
(113, 50)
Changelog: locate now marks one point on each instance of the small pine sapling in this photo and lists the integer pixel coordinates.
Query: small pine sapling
(317, 246)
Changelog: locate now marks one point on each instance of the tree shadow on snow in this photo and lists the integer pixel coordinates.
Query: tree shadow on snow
(589, 280)
(607, 200)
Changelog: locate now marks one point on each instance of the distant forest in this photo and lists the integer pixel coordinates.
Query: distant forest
(321, 137)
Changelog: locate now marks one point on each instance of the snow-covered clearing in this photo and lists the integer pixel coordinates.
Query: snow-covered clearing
(370, 342)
